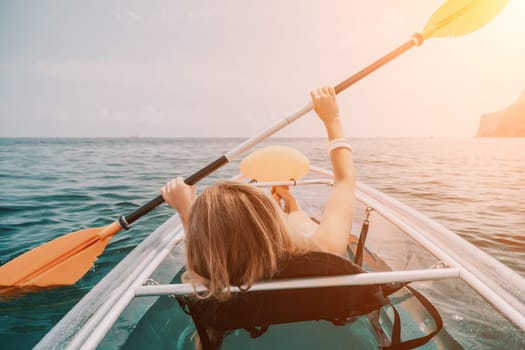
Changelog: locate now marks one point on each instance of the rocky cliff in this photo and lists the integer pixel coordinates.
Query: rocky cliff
(509, 122)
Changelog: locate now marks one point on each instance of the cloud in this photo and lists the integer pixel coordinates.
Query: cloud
(106, 72)
(134, 16)
(199, 16)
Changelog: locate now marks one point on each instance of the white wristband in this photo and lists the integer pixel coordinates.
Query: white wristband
(339, 143)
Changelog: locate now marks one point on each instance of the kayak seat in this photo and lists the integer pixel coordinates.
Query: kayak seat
(256, 311)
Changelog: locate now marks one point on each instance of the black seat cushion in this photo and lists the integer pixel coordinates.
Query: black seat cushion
(249, 310)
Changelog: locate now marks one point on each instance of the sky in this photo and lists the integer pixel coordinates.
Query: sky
(172, 68)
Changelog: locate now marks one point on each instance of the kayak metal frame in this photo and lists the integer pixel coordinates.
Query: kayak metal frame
(291, 182)
(359, 279)
(87, 323)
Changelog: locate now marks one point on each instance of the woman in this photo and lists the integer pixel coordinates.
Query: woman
(236, 235)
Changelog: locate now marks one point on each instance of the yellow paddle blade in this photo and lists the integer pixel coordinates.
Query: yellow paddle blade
(275, 163)
(60, 262)
(461, 17)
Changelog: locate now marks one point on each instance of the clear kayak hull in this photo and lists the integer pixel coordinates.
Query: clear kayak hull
(483, 308)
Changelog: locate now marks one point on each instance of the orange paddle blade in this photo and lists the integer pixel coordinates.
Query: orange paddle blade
(60, 262)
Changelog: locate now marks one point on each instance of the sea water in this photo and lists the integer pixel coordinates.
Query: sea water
(50, 187)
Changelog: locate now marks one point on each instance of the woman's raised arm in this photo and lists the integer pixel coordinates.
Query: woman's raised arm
(332, 235)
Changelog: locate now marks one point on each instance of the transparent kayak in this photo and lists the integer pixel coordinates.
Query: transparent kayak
(481, 301)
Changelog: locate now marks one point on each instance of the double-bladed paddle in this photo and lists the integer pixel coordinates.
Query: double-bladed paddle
(64, 260)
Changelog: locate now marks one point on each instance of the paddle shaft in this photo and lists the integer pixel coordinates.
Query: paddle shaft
(417, 39)
(191, 180)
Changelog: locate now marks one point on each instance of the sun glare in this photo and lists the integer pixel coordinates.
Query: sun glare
(510, 24)
(520, 4)
(516, 18)
(519, 7)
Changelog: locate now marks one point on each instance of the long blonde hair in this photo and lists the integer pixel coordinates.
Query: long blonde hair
(235, 237)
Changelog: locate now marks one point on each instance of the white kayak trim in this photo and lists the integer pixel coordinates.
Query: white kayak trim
(502, 287)
(359, 279)
(500, 298)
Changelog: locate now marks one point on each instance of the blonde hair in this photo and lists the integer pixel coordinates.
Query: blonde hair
(235, 237)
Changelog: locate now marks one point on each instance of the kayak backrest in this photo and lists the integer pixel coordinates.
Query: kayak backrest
(256, 311)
